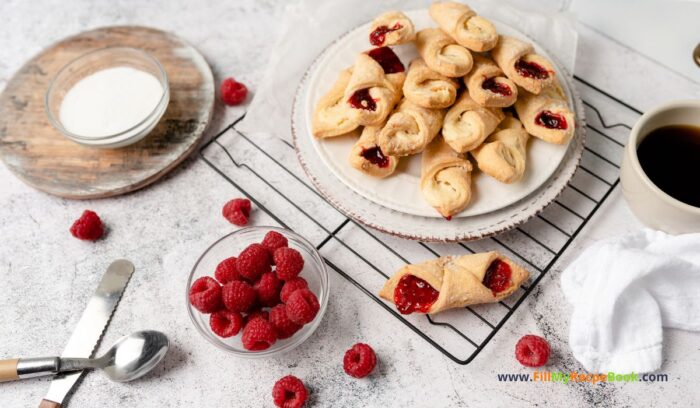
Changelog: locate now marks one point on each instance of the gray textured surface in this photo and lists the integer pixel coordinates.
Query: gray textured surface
(46, 276)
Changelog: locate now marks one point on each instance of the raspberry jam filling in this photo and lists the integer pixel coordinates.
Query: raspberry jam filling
(386, 57)
(361, 99)
(377, 36)
(497, 277)
(496, 87)
(551, 120)
(531, 69)
(413, 294)
(375, 156)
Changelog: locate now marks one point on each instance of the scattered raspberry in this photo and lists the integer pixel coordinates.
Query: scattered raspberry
(233, 92)
(290, 286)
(359, 361)
(88, 227)
(302, 306)
(274, 240)
(253, 262)
(284, 327)
(268, 289)
(289, 263)
(226, 271)
(532, 351)
(205, 295)
(237, 211)
(257, 314)
(238, 296)
(258, 334)
(226, 323)
(289, 392)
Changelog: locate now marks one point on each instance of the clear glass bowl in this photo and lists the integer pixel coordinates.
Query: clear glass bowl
(231, 245)
(98, 60)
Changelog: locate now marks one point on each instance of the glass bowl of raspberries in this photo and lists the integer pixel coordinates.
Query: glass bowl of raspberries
(258, 292)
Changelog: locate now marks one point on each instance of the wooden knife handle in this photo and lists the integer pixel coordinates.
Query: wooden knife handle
(8, 370)
(49, 404)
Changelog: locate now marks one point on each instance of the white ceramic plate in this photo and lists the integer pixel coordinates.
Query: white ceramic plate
(400, 191)
(352, 203)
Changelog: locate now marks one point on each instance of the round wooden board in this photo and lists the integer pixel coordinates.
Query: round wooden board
(41, 156)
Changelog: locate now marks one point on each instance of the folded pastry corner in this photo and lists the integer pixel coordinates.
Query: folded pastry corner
(522, 65)
(467, 124)
(446, 180)
(409, 129)
(461, 23)
(503, 154)
(442, 53)
(375, 86)
(332, 115)
(391, 28)
(428, 88)
(488, 85)
(453, 282)
(547, 115)
(367, 157)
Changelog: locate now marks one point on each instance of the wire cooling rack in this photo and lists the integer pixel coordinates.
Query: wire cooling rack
(267, 172)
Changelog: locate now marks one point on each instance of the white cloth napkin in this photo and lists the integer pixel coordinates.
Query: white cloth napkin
(309, 26)
(624, 290)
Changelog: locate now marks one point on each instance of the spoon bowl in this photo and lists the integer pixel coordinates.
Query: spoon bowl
(134, 355)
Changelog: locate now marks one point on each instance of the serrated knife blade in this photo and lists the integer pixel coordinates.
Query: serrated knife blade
(87, 334)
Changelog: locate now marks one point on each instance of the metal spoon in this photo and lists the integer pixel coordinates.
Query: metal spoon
(129, 358)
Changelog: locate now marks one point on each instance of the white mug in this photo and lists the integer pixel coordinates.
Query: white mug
(648, 202)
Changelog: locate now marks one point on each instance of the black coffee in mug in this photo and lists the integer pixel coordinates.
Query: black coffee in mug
(670, 157)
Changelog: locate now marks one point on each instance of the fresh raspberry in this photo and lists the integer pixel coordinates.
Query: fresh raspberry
(253, 262)
(258, 334)
(284, 327)
(237, 211)
(274, 240)
(205, 295)
(288, 262)
(233, 92)
(257, 314)
(226, 271)
(238, 296)
(359, 361)
(290, 286)
(289, 392)
(532, 351)
(226, 323)
(268, 289)
(302, 306)
(88, 227)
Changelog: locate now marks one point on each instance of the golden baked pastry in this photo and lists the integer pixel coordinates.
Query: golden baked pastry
(467, 123)
(453, 282)
(442, 53)
(462, 24)
(547, 115)
(427, 88)
(391, 28)
(409, 129)
(367, 157)
(375, 86)
(503, 155)
(445, 181)
(488, 86)
(332, 115)
(520, 63)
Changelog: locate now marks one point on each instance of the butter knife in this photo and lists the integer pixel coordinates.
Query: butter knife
(87, 334)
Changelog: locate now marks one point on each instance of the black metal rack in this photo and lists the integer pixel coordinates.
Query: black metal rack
(266, 171)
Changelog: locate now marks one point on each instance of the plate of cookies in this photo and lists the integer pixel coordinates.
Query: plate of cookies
(438, 114)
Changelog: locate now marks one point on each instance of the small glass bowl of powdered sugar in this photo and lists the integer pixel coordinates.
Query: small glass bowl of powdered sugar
(109, 98)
